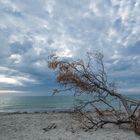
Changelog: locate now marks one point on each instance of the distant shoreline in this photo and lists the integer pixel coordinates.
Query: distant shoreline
(38, 112)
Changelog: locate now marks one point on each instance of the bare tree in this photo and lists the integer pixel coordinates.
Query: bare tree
(89, 78)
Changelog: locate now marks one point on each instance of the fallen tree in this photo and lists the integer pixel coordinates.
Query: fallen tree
(90, 78)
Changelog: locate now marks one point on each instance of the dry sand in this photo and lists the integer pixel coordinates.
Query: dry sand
(30, 127)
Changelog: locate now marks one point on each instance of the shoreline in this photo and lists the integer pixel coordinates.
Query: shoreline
(30, 111)
(62, 126)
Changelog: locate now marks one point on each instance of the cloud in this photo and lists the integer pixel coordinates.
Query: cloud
(13, 78)
(31, 30)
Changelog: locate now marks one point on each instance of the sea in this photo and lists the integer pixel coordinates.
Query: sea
(40, 103)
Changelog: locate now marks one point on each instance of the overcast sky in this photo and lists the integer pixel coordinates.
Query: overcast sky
(30, 30)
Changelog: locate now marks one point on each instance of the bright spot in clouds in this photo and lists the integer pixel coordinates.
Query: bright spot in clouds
(10, 91)
(6, 80)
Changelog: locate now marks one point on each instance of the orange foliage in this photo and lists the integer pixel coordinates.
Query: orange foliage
(67, 74)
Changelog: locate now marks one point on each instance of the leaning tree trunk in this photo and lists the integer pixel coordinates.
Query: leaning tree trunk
(90, 78)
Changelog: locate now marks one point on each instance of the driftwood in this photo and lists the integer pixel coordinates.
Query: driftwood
(89, 78)
(136, 124)
(50, 127)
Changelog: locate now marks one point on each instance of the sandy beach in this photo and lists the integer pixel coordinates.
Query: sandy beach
(34, 126)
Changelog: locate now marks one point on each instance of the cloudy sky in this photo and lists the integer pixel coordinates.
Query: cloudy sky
(30, 30)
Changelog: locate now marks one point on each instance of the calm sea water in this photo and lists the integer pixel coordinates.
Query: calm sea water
(39, 103)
